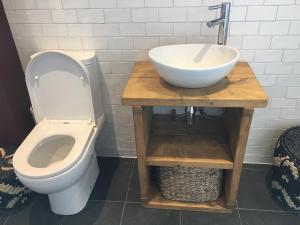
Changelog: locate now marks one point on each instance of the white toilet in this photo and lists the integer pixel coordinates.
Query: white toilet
(58, 158)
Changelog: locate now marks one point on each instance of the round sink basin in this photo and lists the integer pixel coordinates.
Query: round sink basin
(193, 65)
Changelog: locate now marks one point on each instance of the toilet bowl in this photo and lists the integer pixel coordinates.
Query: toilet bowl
(57, 157)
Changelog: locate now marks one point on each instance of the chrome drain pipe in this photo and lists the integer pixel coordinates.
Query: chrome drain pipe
(190, 114)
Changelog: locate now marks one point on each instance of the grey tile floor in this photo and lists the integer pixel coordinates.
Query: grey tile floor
(114, 201)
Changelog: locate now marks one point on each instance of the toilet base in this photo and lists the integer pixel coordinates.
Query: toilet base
(73, 199)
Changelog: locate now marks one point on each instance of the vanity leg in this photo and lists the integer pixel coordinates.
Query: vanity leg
(142, 116)
(237, 122)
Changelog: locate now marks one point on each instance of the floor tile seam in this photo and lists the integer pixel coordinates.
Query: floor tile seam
(7, 218)
(267, 210)
(240, 218)
(109, 201)
(63, 220)
(126, 197)
(133, 202)
(238, 211)
(257, 169)
(180, 215)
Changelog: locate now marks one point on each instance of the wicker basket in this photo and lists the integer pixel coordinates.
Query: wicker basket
(190, 184)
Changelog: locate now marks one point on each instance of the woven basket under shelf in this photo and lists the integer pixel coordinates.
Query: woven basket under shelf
(190, 184)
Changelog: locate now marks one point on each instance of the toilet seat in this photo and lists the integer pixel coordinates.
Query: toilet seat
(32, 146)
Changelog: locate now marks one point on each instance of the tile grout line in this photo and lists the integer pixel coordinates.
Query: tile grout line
(266, 210)
(102, 200)
(180, 217)
(7, 218)
(237, 208)
(256, 169)
(63, 220)
(113, 201)
(133, 202)
(129, 183)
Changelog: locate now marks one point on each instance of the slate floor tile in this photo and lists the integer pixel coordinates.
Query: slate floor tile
(97, 213)
(136, 215)
(112, 183)
(198, 218)
(253, 191)
(37, 212)
(252, 217)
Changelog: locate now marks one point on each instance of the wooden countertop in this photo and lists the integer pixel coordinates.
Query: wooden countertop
(239, 89)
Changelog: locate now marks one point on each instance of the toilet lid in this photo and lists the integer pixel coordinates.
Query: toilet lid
(59, 88)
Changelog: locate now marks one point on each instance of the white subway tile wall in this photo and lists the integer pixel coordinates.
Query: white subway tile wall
(122, 31)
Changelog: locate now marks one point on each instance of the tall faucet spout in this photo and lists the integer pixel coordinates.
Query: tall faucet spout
(222, 21)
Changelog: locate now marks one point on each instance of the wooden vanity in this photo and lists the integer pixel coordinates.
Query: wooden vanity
(218, 143)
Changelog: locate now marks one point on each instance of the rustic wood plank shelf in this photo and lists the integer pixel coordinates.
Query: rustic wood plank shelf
(158, 201)
(174, 143)
(168, 151)
(215, 143)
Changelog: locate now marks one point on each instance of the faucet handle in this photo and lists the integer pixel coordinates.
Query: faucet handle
(212, 7)
(223, 5)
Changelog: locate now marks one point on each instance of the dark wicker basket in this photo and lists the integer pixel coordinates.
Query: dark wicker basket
(190, 184)
(286, 170)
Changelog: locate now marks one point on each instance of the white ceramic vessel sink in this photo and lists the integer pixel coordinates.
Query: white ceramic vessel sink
(193, 65)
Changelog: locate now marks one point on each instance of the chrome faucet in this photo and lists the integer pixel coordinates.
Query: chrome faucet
(223, 21)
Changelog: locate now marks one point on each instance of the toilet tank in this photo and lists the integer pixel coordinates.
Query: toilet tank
(89, 61)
